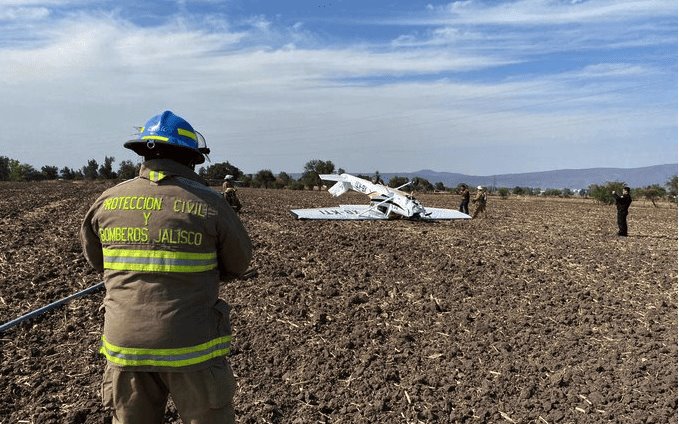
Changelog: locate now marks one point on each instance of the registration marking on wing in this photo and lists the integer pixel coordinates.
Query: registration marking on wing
(365, 212)
(341, 212)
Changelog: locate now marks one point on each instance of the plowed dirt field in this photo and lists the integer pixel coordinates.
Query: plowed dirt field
(535, 313)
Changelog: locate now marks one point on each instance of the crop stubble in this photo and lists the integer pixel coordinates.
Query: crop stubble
(536, 313)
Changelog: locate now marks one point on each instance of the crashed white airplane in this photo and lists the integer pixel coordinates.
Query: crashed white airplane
(385, 203)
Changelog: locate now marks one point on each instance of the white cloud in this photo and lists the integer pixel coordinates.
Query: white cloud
(38, 2)
(87, 79)
(518, 29)
(607, 70)
(75, 47)
(23, 13)
(546, 12)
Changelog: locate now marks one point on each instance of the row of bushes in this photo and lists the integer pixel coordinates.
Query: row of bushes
(13, 170)
(603, 192)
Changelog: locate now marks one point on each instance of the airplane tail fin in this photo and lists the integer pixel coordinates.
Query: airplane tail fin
(339, 188)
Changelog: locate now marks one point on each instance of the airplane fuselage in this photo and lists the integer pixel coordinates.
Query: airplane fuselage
(398, 205)
(385, 202)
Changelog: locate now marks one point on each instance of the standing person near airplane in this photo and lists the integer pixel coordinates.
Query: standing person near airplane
(622, 204)
(229, 192)
(464, 204)
(480, 200)
(164, 242)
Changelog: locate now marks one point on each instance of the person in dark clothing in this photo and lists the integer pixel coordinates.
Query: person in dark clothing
(464, 204)
(622, 204)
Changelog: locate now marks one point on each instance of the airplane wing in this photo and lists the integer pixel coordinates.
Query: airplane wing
(341, 186)
(444, 214)
(346, 182)
(365, 212)
(341, 212)
(331, 177)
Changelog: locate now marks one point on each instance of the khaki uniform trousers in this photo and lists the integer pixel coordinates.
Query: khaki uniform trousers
(201, 397)
(480, 207)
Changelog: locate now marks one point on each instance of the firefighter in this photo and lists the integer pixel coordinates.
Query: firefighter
(164, 241)
(229, 193)
(480, 200)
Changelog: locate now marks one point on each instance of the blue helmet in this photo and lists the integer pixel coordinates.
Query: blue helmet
(169, 131)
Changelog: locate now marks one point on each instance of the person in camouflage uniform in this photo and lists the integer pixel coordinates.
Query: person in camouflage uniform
(480, 200)
(229, 192)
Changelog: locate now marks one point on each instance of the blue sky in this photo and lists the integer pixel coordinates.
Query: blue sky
(476, 87)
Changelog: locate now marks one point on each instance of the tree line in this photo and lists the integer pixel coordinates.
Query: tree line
(13, 170)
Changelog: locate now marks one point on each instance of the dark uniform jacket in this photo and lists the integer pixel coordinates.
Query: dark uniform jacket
(623, 202)
(164, 241)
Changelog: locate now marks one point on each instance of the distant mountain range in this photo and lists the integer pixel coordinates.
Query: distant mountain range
(562, 178)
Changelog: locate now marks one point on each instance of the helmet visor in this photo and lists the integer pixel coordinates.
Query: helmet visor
(202, 145)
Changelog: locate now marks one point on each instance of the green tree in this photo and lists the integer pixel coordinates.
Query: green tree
(283, 180)
(4, 168)
(106, 169)
(90, 171)
(128, 170)
(672, 187)
(78, 174)
(264, 178)
(518, 191)
(421, 184)
(246, 180)
(653, 192)
(552, 192)
(566, 193)
(439, 186)
(604, 193)
(313, 168)
(50, 172)
(218, 171)
(22, 171)
(66, 173)
(397, 181)
(503, 192)
(296, 185)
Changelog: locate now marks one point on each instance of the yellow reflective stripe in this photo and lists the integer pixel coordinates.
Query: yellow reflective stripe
(157, 268)
(179, 357)
(187, 133)
(156, 176)
(155, 137)
(163, 363)
(140, 253)
(164, 351)
(158, 260)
